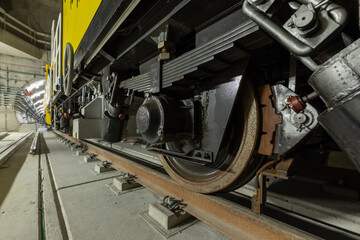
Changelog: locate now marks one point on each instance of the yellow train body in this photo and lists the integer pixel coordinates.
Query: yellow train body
(77, 16)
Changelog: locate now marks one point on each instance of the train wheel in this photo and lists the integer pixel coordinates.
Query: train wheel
(68, 69)
(237, 161)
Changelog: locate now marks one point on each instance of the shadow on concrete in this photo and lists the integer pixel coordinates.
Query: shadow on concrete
(43, 151)
(10, 169)
(43, 148)
(2, 136)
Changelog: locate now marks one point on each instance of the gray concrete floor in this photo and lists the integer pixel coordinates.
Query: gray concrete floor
(9, 138)
(302, 196)
(75, 202)
(19, 191)
(92, 211)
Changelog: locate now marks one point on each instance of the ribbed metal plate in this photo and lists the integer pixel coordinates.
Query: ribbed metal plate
(189, 62)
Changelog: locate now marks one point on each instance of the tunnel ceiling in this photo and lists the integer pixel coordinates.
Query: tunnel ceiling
(38, 14)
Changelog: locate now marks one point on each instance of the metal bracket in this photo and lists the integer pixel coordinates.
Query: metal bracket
(259, 199)
(84, 148)
(204, 155)
(326, 29)
(129, 178)
(294, 126)
(106, 164)
(164, 46)
(184, 156)
(269, 7)
(275, 168)
(172, 204)
(155, 77)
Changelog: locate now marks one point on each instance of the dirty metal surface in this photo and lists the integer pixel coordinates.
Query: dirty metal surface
(218, 104)
(269, 121)
(227, 217)
(238, 165)
(295, 126)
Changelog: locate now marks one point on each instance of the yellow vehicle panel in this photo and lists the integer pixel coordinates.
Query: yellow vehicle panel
(47, 116)
(77, 16)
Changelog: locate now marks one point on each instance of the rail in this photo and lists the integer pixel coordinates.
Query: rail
(34, 144)
(227, 217)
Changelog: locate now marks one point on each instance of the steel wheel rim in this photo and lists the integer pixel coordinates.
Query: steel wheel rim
(244, 160)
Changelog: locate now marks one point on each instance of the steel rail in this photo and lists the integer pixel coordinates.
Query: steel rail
(34, 144)
(234, 221)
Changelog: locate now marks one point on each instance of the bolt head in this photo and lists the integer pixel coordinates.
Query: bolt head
(305, 20)
(300, 118)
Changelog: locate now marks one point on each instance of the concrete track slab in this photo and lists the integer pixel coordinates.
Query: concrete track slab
(4, 143)
(92, 211)
(69, 169)
(19, 191)
(52, 221)
(10, 138)
(3, 134)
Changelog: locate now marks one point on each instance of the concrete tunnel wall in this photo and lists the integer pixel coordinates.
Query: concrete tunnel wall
(8, 120)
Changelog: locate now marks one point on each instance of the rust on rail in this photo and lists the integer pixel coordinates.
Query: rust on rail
(234, 221)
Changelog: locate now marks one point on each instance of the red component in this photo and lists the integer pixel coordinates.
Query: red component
(122, 116)
(27, 92)
(296, 103)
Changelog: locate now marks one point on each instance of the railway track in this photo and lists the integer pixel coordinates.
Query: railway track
(223, 214)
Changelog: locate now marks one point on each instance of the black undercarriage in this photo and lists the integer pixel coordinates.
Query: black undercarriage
(220, 88)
